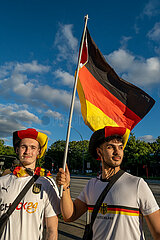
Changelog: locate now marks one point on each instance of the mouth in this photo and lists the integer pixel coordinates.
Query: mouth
(116, 158)
(26, 157)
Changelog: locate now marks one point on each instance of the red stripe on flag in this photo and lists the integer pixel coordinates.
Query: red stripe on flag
(107, 102)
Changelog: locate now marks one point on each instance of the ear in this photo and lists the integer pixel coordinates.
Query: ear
(99, 152)
(17, 150)
(39, 153)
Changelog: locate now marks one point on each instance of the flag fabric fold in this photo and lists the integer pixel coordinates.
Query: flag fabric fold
(106, 99)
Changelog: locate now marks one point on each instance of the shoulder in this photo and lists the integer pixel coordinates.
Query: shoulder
(48, 181)
(134, 179)
(6, 171)
(6, 177)
(128, 175)
(129, 178)
(94, 183)
(49, 185)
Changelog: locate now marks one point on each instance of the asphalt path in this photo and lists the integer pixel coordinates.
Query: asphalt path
(68, 231)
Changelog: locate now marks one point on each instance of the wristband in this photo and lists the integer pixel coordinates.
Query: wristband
(67, 188)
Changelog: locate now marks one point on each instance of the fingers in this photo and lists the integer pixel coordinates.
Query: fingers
(66, 169)
(63, 177)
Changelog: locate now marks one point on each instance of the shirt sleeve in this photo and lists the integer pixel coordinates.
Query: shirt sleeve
(52, 206)
(146, 199)
(84, 196)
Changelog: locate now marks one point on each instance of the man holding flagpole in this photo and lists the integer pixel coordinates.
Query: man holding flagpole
(111, 107)
(120, 216)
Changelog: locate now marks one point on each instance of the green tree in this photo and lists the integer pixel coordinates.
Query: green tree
(5, 152)
(137, 154)
(55, 155)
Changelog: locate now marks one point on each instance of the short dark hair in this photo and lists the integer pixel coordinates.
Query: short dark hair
(110, 138)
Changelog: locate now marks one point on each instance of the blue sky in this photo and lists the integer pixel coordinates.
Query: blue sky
(38, 56)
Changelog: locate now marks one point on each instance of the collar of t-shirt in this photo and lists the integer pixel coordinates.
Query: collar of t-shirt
(104, 180)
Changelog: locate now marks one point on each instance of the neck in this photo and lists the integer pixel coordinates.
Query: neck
(109, 172)
(31, 166)
(31, 169)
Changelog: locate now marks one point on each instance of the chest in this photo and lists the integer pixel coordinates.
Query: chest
(33, 199)
(119, 194)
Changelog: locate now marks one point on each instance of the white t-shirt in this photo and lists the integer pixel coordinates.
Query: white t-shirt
(120, 215)
(42, 200)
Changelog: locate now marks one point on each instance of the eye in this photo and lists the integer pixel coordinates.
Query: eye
(22, 146)
(121, 147)
(109, 147)
(33, 147)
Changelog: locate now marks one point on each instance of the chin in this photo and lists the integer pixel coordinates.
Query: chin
(116, 164)
(27, 162)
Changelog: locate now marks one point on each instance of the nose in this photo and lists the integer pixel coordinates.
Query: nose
(116, 150)
(27, 150)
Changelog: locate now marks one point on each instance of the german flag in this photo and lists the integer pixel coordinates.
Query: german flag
(106, 99)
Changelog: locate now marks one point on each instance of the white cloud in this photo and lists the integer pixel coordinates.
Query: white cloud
(121, 59)
(15, 79)
(124, 41)
(8, 126)
(12, 113)
(54, 114)
(66, 44)
(14, 117)
(25, 116)
(67, 32)
(152, 8)
(24, 90)
(138, 71)
(18, 86)
(57, 97)
(66, 78)
(147, 138)
(32, 67)
(154, 33)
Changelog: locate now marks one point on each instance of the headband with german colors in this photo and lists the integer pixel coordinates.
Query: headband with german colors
(121, 131)
(31, 133)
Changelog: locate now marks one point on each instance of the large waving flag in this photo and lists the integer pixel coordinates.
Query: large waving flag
(106, 99)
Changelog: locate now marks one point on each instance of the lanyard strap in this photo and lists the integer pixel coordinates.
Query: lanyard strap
(21, 195)
(103, 195)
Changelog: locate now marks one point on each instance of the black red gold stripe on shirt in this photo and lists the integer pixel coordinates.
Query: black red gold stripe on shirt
(114, 209)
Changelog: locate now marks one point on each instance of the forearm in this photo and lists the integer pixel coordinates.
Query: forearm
(67, 206)
(153, 222)
(51, 235)
(52, 228)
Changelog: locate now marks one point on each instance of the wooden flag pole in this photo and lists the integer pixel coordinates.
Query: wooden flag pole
(72, 102)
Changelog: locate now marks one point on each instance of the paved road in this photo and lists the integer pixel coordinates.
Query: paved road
(68, 231)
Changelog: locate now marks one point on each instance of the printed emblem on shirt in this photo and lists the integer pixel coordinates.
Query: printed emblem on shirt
(36, 188)
(6, 189)
(103, 208)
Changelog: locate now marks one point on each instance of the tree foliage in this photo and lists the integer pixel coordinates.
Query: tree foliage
(137, 155)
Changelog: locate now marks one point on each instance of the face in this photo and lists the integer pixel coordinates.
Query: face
(28, 151)
(111, 154)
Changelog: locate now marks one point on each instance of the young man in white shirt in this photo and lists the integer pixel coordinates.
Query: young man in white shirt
(121, 213)
(41, 201)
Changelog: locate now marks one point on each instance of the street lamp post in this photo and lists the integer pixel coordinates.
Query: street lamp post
(83, 147)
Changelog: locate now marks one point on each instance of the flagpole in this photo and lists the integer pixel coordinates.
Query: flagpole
(72, 102)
